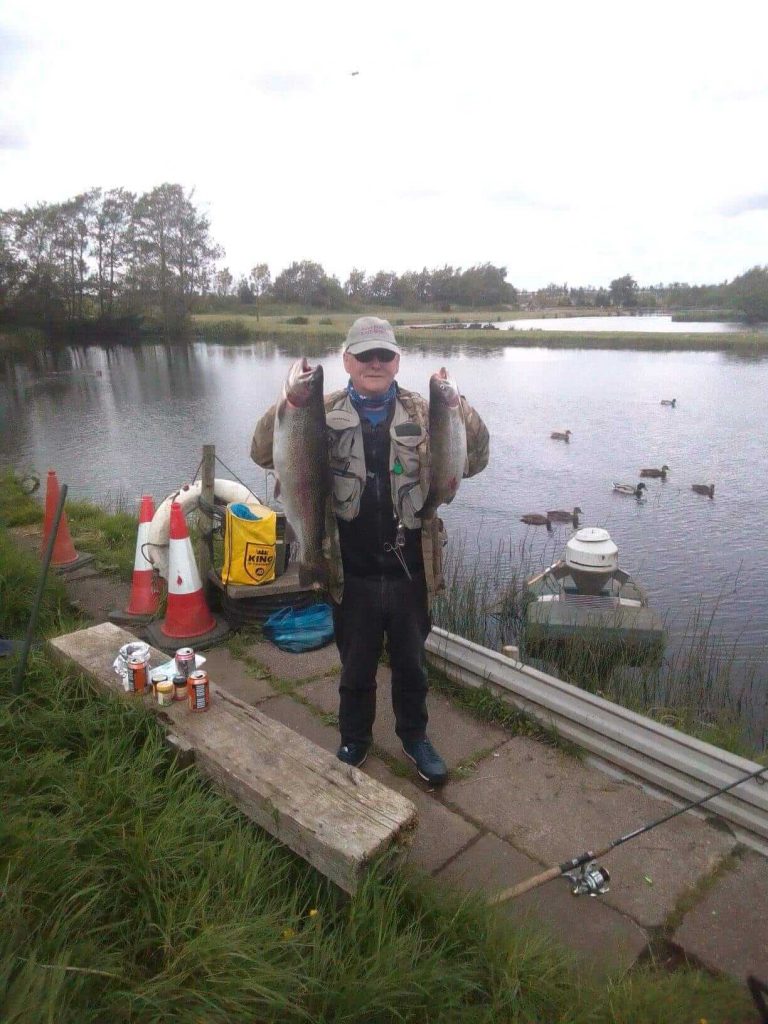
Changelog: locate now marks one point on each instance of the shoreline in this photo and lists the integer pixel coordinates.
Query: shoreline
(329, 329)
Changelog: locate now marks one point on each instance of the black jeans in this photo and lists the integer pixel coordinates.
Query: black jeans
(371, 608)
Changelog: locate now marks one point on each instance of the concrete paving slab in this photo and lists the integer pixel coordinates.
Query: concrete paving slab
(299, 718)
(728, 929)
(295, 667)
(234, 675)
(591, 929)
(552, 806)
(440, 833)
(456, 734)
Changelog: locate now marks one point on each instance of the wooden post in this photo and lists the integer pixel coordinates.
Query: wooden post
(205, 543)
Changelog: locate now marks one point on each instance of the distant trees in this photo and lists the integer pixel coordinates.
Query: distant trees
(260, 281)
(103, 256)
(308, 284)
(749, 295)
(112, 258)
(479, 286)
(623, 292)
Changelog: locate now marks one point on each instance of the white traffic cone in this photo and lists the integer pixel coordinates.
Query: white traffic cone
(187, 616)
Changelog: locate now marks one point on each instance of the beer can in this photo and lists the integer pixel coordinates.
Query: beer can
(197, 687)
(164, 692)
(179, 687)
(185, 661)
(137, 675)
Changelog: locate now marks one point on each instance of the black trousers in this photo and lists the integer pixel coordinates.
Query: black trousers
(373, 607)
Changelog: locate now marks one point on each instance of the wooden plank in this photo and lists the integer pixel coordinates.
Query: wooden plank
(334, 816)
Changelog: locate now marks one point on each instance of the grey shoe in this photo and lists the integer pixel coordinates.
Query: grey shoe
(430, 766)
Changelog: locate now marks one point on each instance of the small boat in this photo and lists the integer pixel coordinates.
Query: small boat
(536, 519)
(707, 489)
(669, 401)
(586, 596)
(656, 472)
(561, 515)
(558, 435)
(635, 490)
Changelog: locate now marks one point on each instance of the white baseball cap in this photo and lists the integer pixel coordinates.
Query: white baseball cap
(369, 332)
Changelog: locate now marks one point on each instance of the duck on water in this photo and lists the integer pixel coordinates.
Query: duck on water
(536, 519)
(561, 515)
(656, 472)
(635, 490)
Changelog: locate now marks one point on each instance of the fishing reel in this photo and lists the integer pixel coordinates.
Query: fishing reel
(589, 879)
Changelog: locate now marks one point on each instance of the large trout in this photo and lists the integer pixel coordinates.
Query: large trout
(447, 441)
(300, 456)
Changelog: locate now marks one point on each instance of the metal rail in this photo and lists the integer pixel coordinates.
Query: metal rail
(672, 761)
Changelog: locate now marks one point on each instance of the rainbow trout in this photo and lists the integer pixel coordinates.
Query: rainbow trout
(300, 456)
(447, 441)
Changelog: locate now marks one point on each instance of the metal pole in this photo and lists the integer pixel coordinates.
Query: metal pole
(38, 599)
(205, 545)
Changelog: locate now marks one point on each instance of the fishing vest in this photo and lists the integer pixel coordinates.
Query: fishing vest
(408, 457)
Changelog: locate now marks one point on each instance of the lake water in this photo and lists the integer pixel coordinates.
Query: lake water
(122, 421)
(660, 323)
(655, 324)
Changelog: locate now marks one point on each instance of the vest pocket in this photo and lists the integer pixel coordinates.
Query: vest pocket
(405, 470)
(346, 495)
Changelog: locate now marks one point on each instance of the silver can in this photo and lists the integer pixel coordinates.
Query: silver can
(185, 661)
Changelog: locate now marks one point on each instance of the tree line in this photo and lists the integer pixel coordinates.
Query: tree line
(306, 283)
(110, 259)
(744, 298)
(113, 261)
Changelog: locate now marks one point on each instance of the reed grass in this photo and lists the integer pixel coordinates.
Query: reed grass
(699, 685)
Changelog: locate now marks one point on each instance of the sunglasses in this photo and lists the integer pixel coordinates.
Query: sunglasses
(384, 355)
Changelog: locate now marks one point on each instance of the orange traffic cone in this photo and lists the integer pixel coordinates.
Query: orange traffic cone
(187, 616)
(143, 600)
(64, 557)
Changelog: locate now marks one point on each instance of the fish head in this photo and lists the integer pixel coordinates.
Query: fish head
(303, 383)
(443, 388)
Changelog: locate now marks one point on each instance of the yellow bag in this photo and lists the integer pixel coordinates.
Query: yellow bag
(250, 532)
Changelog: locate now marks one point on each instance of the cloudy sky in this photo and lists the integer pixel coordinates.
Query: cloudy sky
(568, 142)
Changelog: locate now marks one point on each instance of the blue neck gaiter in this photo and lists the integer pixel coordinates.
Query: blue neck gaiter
(375, 409)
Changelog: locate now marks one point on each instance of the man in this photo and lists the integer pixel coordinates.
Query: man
(387, 566)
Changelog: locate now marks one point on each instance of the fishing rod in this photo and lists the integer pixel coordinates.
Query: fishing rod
(588, 877)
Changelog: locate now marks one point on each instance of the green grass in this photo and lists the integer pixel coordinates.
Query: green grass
(131, 892)
(318, 332)
(109, 533)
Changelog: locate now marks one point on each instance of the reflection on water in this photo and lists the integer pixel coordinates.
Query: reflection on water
(133, 420)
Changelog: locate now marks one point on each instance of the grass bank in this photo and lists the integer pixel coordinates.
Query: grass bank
(329, 330)
(131, 892)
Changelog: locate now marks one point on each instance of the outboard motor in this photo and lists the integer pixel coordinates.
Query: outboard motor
(592, 558)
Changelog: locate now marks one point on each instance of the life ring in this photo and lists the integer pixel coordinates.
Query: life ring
(188, 496)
